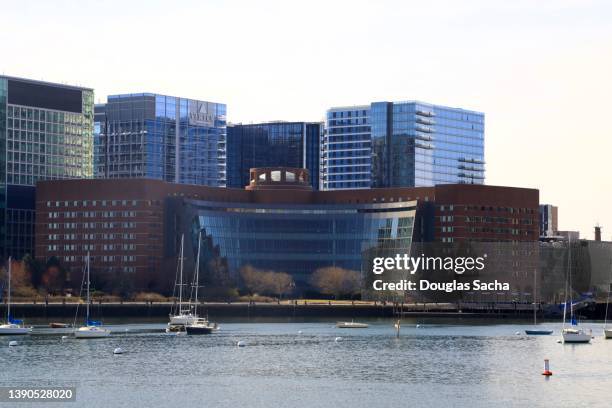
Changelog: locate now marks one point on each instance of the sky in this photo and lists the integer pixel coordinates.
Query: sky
(540, 70)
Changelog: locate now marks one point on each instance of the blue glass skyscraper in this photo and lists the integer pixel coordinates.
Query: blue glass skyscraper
(161, 137)
(402, 144)
(272, 144)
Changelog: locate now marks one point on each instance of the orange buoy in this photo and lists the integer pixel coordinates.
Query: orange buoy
(547, 371)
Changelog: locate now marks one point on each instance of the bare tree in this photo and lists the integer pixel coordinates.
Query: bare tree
(266, 282)
(336, 281)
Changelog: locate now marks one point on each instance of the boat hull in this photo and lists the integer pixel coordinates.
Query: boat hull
(538, 332)
(351, 325)
(580, 337)
(58, 325)
(14, 330)
(198, 330)
(91, 333)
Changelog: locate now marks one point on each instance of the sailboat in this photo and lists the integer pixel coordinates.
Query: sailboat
(535, 331)
(182, 316)
(12, 326)
(572, 334)
(92, 329)
(200, 325)
(608, 332)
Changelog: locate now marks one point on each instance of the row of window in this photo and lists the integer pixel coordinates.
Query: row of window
(93, 203)
(104, 225)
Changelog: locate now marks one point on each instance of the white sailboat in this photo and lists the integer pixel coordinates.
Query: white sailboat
(608, 331)
(12, 326)
(183, 316)
(536, 331)
(201, 324)
(572, 334)
(92, 329)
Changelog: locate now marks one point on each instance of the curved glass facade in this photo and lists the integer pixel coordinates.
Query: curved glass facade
(296, 239)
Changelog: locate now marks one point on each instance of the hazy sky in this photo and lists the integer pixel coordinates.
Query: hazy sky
(540, 70)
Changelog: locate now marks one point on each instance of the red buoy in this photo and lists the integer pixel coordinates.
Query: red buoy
(547, 371)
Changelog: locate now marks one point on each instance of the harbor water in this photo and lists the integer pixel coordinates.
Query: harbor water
(304, 364)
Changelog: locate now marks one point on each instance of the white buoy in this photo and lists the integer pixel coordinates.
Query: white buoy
(517, 333)
(337, 339)
(418, 326)
(299, 332)
(64, 337)
(13, 343)
(558, 341)
(118, 350)
(241, 343)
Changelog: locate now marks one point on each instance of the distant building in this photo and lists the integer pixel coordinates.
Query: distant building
(46, 133)
(401, 144)
(161, 137)
(549, 219)
(272, 144)
(569, 235)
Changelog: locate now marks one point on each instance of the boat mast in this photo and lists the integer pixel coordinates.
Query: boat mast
(181, 277)
(608, 297)
(87, 313)
(197, 275)
(535, 313)
(569, 240)
(8, 306)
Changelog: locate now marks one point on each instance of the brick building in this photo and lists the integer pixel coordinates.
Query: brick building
(131, 227)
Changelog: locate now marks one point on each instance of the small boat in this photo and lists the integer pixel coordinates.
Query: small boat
(92, 329)
(201, 326)
(351, 325)
(608, 333)
(12, 326)
(571, 335)
(181, 316)
(538, 332)
(91, 332)
(56, 325)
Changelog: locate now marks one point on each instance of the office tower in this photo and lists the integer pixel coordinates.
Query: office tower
(46, 132)
(161, 137)
(402, 144)
(272, 144)
(549, 216)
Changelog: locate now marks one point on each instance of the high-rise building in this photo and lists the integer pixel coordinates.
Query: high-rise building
(161, 137)
(46, 133)
(402, 144)
(549, 216)
(272, 144)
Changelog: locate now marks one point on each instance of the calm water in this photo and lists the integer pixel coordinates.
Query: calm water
(435, 365)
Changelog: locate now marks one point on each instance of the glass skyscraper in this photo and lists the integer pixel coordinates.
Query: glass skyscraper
(161, 137)
(46, 132)
(402, 144)
(272, 144)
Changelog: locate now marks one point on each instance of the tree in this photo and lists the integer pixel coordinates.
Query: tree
(21, 281)
(35, 268)
(54, 277)
(282, 283)
(266, 282)
(336, 281)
